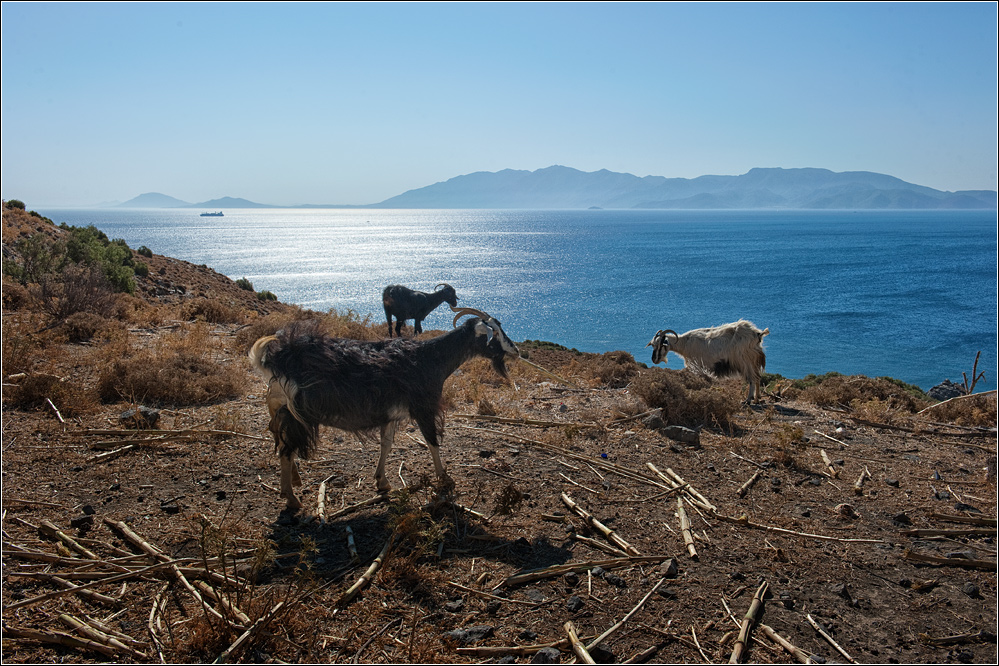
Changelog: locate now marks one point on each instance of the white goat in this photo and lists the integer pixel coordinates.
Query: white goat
(720, 351)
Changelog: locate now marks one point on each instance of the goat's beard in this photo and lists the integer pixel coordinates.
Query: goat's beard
(499, 365)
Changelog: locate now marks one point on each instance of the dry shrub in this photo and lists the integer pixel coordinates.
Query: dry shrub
(35, 391)
(613, 369)
(82, 326)
(77, 289)
(688, 399)
(15, 296)
(184, 368)
(213, 310)
(855, 390)
(974, 411)
(347, 325)
(21, 349)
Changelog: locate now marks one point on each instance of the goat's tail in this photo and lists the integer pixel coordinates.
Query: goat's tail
(293, 435)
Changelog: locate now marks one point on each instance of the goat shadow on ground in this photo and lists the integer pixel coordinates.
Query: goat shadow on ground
(322, 547)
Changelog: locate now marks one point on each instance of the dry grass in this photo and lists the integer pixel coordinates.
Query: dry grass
(183, 368)
(689, 399)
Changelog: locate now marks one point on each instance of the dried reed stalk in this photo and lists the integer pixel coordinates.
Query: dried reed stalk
(59, 638)
(796, 652)
(829, 639)
(745, 522)
(973, 531)
(600, 527)
(675, 483)
(742, 642)
(486, 595)
(577, 645)
(598, 545)
(89, 595)
(48, 529)
(599, 639)
(741, 492)
(365, 578)
(519, 650)
(970, 520)
(89, 632)
(578, 567)
(688, 538)
(371, 501)
(947, 561)
(858, 485)
(833, 472)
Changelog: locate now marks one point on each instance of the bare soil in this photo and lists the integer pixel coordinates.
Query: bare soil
(844, 555)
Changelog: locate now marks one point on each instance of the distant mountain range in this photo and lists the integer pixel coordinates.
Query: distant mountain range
(559, 187)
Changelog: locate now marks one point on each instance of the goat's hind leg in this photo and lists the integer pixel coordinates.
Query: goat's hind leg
(286, 454)
(428, 427)
(388, 437)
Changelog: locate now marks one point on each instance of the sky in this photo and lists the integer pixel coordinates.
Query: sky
(353, 103)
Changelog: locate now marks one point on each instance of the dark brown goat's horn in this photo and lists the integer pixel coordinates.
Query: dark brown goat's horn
(467, 311)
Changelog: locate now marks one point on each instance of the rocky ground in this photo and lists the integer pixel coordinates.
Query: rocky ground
(867, 536)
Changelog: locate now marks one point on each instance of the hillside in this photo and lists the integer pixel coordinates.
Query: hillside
(861, 504)
(563, 187)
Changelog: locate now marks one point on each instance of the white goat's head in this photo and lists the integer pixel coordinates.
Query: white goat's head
(660, 345)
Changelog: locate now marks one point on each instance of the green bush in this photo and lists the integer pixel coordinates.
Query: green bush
(266, 296)
(141, 269)
(145, 252)
(15, 203)
(245, 284)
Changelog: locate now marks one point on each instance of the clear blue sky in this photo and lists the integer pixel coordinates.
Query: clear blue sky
(352, 103)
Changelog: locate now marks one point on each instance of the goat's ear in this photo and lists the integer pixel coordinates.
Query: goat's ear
(482, 328)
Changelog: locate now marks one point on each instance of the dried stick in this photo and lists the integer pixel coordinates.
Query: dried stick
(85, 630)
(545, 372)
(157, 554)
(688, 538)
(599, 545)
(944, 561)
(577, 646)
(973, 531)
(675, 481)
(486, 595)
(519, 650)
(858, 485)
(957, 639)
(321, 502)
(351, 546)
(371, 501)
(741, 643)
(829, 639)
(796, 652)
(600, 527)
(154, 612)
(86, 594)
(741, 492)
(833, 439)
(746, 523)
(833, 472)
(579, 567)
(208, 590)
(59, 638)
(47, 528)
(960, 397)
(108, 579)
(970, 520)
(363, 581)
(599, 639)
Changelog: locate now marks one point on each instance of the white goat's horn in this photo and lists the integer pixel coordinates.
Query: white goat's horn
(669, 330)
(467, 311)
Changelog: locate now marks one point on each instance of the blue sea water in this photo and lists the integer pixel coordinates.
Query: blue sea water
(906, 294)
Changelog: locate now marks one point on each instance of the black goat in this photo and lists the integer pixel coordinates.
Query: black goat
(355, 385)
(404, 303)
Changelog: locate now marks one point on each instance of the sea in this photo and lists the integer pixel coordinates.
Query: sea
(903, 294)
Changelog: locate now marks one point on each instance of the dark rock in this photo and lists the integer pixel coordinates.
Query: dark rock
(615, 580)
(654, 422)
(815, 481)
(892, 482)
(77, 468)
(670, 568)
(574, 604)
(220, 495)
(528, 635)
(946, 390)
(454, 606)
(840, 590)
(597, 572)
(509, 659)
(786, 599)
(681, 434)
(141, 418)
(602, 655)
(961, 506)
(971, 590)
(88, 510)
(171, 509)
(667, 592)
(942, 495)
(571, 579)
(534, 595)
(493, 607)
(486, 454)
(547, 656)
(82, 523)
(470, 635)
(901, 519)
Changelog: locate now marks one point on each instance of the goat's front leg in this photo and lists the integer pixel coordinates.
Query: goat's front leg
(428, 426)
(388, 436)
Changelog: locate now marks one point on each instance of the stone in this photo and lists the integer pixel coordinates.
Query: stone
(681, 434)
(140, 418)
(946, 390)
(547, 656)
(575, 604)
(470, 635)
